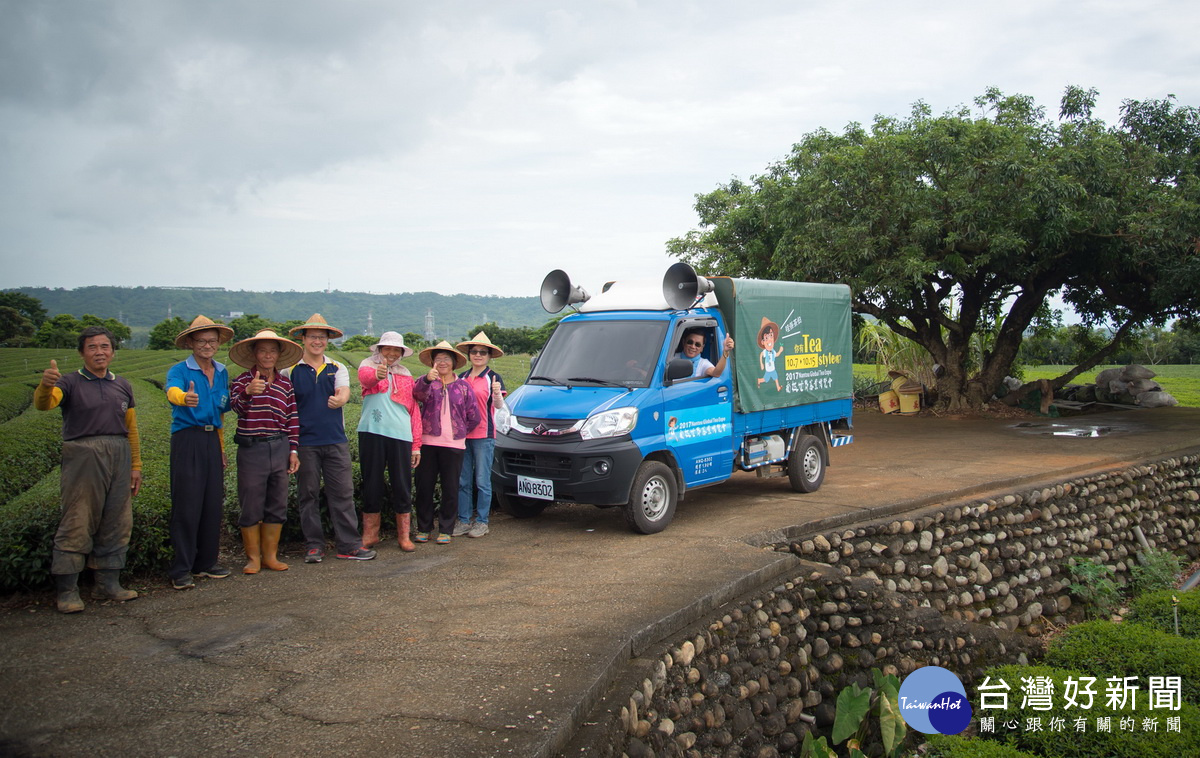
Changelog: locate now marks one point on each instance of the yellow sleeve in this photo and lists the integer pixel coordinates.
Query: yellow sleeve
(175, 396)
(46, 398)
(135, 442)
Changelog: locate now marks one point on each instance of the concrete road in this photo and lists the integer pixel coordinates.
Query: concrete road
(492, 646)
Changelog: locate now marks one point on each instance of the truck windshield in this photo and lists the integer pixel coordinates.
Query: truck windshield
(601, 353)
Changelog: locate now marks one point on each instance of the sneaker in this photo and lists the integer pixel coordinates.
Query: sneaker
(185, 583)
(443, 539)
(216, 572)
(357, 554)
(478, 529)
(314, 555)
(461, 528)
(421, 537)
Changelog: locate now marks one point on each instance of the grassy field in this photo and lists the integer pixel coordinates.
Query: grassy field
(1182, 381)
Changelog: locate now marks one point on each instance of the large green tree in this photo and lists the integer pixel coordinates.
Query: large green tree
(954, 227)
(162, 335)
(15, 329)
(27, 305)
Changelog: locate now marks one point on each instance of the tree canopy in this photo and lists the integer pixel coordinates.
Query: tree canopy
(955, 230)
(63, 330)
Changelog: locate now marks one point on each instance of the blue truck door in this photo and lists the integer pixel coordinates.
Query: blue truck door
(698, 414)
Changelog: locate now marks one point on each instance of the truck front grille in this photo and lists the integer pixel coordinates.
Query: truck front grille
(540, 465)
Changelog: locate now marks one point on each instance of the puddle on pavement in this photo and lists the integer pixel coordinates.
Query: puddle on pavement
(1056, 429)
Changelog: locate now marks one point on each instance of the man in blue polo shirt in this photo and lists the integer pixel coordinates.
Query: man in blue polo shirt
(198, 390)
(322, 387)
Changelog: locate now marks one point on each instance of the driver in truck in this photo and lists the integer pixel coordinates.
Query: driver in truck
(691, 348)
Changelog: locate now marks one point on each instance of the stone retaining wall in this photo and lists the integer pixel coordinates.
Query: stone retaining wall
(966, 587)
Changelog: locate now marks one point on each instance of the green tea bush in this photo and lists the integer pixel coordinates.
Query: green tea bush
(1105, 649)
(957, 746)
(30, 447)
(1067, 742)
(1156, 609)
(15, 399)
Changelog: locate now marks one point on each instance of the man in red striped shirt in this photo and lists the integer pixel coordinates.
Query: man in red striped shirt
(268, 438)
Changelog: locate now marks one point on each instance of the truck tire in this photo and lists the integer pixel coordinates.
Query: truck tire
(652, 499)
(521, 507)
(806, 465)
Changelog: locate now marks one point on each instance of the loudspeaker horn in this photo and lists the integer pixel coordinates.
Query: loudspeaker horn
(558, 292)
(682, 286)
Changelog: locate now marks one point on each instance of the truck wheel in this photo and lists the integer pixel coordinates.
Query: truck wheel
(806, 465)
(521, 507)
(652, 500)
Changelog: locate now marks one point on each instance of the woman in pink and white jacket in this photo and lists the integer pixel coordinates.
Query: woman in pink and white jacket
(389, 437)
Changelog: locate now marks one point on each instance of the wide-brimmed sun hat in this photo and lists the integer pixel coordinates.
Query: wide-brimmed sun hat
(427, 354)
(316, 321)
(392, 339)
(243, 352)
(200, 324)
(482, 340)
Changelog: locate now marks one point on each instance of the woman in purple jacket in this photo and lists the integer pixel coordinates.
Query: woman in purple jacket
(448, 413)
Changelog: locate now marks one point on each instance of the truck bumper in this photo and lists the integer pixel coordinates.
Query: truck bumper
(599, 472)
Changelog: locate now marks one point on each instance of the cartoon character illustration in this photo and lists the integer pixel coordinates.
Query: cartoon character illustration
(768, 333)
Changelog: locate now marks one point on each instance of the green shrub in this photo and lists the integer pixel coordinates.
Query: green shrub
(957, 746)
(30, 447)
(1156, 609)
(1095, 587)
(1069, 743)
(14, 400)
(1104, 649)
(1156, 569)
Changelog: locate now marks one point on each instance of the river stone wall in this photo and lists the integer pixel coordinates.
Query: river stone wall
(965, 587)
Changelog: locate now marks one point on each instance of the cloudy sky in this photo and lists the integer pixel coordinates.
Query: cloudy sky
(394, 145)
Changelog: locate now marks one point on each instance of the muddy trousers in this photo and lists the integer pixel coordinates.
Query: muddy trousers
(97, 514)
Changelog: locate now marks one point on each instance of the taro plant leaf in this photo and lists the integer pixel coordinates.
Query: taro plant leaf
(892, 728)
(818, 748)
(856, 753)
(853, 705)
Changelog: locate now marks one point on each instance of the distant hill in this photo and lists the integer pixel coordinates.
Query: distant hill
(404, 312)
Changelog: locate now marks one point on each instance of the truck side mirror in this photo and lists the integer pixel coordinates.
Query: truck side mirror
(678, 368)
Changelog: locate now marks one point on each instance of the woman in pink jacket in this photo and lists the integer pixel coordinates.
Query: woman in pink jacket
(389, 437)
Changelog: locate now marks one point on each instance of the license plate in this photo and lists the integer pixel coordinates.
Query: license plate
(542, 489)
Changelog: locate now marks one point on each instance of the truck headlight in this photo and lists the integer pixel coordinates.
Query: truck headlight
(612, 423)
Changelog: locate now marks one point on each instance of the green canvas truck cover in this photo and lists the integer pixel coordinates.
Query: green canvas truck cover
(793, 341)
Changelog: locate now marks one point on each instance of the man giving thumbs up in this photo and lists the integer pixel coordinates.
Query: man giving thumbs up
(101, 470)
(198, 390)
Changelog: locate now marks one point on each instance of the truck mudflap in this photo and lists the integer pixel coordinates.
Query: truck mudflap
(599, 472)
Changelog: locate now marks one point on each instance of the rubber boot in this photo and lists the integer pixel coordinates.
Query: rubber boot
(270, 547)
(252, 544)
(108, 586)
(370, 530)
(403, 525)
(68, 593)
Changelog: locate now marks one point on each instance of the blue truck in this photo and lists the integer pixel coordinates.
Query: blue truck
(632, 403)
